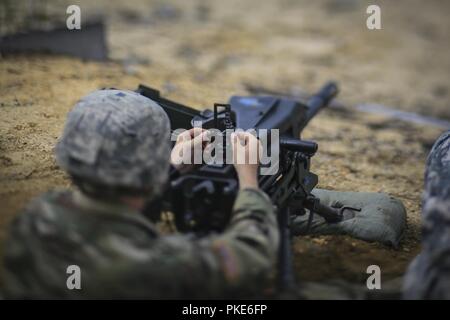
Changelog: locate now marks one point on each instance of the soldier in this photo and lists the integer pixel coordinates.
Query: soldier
(428, 276)
(116, 148)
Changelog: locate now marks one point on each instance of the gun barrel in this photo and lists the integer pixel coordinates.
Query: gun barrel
(321, 99)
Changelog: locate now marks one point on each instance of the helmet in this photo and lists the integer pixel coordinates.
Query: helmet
(116, 140)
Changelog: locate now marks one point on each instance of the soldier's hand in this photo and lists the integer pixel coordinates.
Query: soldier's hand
(246, 148)
(188, 142)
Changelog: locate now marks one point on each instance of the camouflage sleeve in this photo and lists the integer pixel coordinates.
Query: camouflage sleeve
(234, 263)
(248, 248)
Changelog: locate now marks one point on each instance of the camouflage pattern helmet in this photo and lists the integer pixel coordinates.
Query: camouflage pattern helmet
(117, 139)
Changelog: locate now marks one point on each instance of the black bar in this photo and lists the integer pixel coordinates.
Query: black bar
(294, 144)
(286, 279)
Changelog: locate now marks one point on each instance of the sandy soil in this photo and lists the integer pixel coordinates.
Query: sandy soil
(200, 53)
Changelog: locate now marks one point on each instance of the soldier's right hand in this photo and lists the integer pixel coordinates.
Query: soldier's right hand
(246, 148)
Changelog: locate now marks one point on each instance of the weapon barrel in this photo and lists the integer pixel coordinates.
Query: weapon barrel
(320, 100)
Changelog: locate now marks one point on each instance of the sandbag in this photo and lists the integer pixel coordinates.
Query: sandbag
(382, 218)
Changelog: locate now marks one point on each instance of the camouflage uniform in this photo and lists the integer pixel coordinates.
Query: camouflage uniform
(428, 277)
(117, 143)
(122, 255)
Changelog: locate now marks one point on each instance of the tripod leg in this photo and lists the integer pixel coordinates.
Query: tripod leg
(285, 263)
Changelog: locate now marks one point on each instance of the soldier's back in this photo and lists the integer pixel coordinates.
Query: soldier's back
(55, 232)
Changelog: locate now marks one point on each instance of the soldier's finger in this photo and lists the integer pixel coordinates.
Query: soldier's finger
(184, 136)
(234, 139)
(196, 131)
(241, 137)
(200, 139)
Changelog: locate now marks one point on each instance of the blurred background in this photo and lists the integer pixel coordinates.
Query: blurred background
(285, 44)
(202, 52)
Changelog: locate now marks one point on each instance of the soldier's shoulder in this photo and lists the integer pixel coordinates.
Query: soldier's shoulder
(49, 199)
(44, 206)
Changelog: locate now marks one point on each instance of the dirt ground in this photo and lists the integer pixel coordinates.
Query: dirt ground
(200, 53)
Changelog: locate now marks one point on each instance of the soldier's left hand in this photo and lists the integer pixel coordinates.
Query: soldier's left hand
(189, 142)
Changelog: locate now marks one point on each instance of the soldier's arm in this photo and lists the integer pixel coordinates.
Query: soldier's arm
(247, 250)
(245, 253)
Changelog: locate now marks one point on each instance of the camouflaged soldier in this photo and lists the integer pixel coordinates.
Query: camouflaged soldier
(428, 277)
(116, 148)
